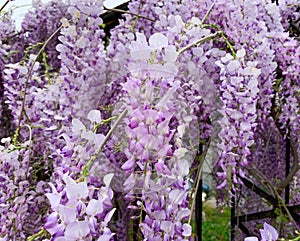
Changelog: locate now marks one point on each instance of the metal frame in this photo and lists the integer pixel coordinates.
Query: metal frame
(241, 219)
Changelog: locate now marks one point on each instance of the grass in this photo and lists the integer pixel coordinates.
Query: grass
(217, 224)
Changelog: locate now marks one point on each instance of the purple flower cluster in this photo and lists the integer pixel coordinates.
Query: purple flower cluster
(288, 96)
(80, 145)
(46, 100)
(222, 73)
(16, 77)
(239, 90)
(22, 208)
(79, 212)
(7, 55)
(82, 59)
(47, 17)
(158, 172)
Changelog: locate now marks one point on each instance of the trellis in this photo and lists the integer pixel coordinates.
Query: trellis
(239, 220)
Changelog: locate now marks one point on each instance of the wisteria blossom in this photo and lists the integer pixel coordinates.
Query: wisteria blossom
(268, 233)
(79, 213)
(104, 129)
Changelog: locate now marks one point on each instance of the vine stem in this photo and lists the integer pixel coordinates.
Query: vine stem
(31, 70)
(294, 169)
(296, 166)
(123, 11)
(29, 147)
(4, 5)
(229, 45)
(87, 167)
(208, 12)
(142, 201)
(262, 178)
(34, 236)
(200, 41)
(294, 239)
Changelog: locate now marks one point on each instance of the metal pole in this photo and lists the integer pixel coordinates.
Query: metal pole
(232, 217)
(198, 206)
(198, 212)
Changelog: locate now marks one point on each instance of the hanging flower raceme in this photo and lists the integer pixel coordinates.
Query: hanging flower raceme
(21, 207)
(81, 144)
(148, 121)
(157, 165)
(16, 78)
(47, 16)
(288, 83)
(82, 58)
(239, 91)
(7, 29)
(81, 209)
(80, 213)
(31, 102)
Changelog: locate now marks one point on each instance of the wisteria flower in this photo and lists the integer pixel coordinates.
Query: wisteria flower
(251, 239)
(75, 214)
(268, 233)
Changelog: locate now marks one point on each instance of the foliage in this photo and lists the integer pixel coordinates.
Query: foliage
(216, 225)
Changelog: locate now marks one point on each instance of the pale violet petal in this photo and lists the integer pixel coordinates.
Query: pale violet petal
(77, 126)
(240, 53)
(187, 230)
(158, 41)
(94, 116)
(251, 239)
(77, 190)
(184, 167)
(67, 214)
(77, 230)
(140, 38)
(107, 179)
(109, 216)
(105, 237)
(170, 54)
(99, 138)
(94, 207)
(67, 179)
(54, 200)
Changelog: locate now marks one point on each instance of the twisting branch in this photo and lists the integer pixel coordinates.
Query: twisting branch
(260, 176)
(200, 41)
(229, 45)
(208, 12)
(30, 73)
(39, 234)
(86, 168)
(29, 147)
(296, 166)
(4, 5)
(198, 178)
(123, 11)
(294, 169)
